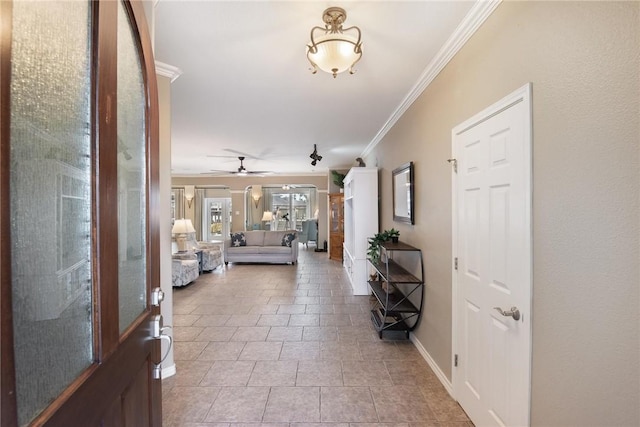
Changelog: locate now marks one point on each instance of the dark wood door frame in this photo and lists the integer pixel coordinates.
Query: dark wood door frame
(8, 410)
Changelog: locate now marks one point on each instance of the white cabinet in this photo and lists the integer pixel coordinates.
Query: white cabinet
(360, 223)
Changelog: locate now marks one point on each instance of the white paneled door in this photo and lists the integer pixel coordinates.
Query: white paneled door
(492, 253)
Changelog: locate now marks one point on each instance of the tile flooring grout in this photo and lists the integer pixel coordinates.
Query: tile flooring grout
(333, 371)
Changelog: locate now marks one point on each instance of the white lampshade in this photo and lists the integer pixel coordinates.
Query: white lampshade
(267, 216)
(183, 226)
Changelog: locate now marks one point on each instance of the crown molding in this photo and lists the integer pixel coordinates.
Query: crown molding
(167, 70)
(479, 13)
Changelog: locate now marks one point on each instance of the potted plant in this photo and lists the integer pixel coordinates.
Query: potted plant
(393, 234)
(373, 251)
(338, 178)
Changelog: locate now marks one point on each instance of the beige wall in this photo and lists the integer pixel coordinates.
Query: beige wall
(583, 61)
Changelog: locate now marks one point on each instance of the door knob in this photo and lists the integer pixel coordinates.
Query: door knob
(514, 312)
(157, 296)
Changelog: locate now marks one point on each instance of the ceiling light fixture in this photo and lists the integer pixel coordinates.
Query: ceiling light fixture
(315, 156)
(336, 50)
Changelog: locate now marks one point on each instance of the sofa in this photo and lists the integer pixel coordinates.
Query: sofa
(260, 246)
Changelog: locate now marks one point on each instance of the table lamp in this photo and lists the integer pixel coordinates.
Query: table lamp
(180, 229)
(267, 216)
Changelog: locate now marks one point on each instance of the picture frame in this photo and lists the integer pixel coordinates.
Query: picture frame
(403, 193)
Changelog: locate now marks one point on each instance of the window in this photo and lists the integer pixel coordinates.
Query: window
(290, 206)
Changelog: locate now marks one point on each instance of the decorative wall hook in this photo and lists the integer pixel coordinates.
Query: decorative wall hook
(453, 162)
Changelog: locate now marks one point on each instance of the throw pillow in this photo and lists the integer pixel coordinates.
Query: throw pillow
(238, 239)
(288, 238)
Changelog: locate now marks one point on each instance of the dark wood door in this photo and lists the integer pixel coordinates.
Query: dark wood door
(78, 215)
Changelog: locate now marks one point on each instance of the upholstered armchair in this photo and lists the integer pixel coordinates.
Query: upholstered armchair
(309, 232)
(211, 252)
(211, 255)
(184, 268)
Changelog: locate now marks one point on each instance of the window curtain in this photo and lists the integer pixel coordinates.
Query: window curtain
(249, 214)
(313, 202)
(198, 207)
(267, 197)
(179, 203)
(253, 212)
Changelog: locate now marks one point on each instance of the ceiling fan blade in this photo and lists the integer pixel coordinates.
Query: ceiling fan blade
(266, 153)
(221, 156)
(240, 153)
(241, 171)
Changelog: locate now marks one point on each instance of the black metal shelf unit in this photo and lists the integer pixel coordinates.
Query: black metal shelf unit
(395, 311)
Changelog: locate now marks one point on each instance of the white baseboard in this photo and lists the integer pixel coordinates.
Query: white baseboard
(168, 371)
(433, 365)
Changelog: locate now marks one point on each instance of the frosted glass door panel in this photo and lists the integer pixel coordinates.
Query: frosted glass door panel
(132, 184)
(336, 218)
(51, 200)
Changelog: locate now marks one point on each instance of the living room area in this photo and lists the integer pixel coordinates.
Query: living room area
(540, 43)
(205, 217)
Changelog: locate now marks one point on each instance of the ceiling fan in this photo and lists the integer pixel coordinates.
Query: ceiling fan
(242, 171)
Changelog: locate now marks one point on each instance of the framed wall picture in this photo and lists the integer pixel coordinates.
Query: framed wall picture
(403, 200)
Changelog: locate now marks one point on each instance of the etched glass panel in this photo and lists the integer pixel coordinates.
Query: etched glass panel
(51, 198)
(132, 195)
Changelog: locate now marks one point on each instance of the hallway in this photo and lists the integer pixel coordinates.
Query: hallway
(289, 345)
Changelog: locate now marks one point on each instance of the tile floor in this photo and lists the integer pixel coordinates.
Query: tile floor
(282, 345)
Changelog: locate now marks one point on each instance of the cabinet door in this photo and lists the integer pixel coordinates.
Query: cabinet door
(336, 217)
(336, 226)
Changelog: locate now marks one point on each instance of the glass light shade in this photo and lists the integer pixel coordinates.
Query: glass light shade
(189, 192)
(256, 192)
(336, 53)
(267, 216)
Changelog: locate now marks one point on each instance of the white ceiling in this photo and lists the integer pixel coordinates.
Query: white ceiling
(246, 88)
